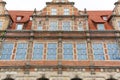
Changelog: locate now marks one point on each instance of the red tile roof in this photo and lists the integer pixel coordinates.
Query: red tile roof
(25, 18)
(94, 18)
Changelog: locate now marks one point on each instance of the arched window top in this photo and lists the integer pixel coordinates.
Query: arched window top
(111, 79)
(8, 79)
(76, 78)
(42, 78)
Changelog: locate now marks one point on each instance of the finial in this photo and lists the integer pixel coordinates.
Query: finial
(85, 10)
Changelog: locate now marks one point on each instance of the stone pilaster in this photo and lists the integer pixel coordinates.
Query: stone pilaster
(60, 56)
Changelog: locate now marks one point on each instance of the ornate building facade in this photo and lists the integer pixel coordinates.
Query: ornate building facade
(60, 42)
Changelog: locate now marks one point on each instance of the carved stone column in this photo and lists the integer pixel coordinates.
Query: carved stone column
(60, 56)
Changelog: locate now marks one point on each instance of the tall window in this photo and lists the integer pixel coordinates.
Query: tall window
(6, 51)
(100, 27)
(98, 51)
(66, 26)
(82, 51)
(67, 51)
(19, 27)
(80, 26)
(119, 24)
(113, 51)
(66, 11)
(39, 27)
(21, 51)
(53, 11)
(53, 25)
(38, 51)
(1, 24)
(51, 51)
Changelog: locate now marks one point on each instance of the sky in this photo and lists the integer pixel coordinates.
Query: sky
(80, 4)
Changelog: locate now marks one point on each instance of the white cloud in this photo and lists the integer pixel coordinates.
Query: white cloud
(80, 4)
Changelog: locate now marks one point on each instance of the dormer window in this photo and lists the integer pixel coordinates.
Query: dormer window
(19, 27)
(31, 18)
(105, 18)
(19, 18)
(100, 27)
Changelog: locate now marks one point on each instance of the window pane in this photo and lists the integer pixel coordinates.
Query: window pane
(53, 25)
(54, 11)
(51, 51)
(39, 27)
(1, 24)
(113, 51)
(19, 26)
(67, 51)
(66, 11)
(66, 26)
(100, 27)
(98, 51)
(21, 51)
(6, 51)
(119, 24)
(38, 51)
(80, 27)
(82, 51)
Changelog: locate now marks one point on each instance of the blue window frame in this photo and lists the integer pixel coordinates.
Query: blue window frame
(113, 51)
(38, 51)
(98, 51)
(82, 51)
(51, 51)
(21, 51)
(67, 51)
(6, 51)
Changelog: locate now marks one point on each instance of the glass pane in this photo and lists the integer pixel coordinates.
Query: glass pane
(66, 26)
(98, 51)
(51, 51)
(68, 57)
(19, 26)
(21, 51)
(113, 51)
(100, 27)
(53, 25)
(6, 51)
(1, 24)
(38, 51)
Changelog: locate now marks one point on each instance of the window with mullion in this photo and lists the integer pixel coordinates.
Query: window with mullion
(82, 51)
(98, 51)
(21, 51)
(6, 51)
(66, 11)
(67, 51)
(53, 25)
(38, 51)
(53, 11)
(66, 26)
(113, 51)
(52, 51)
